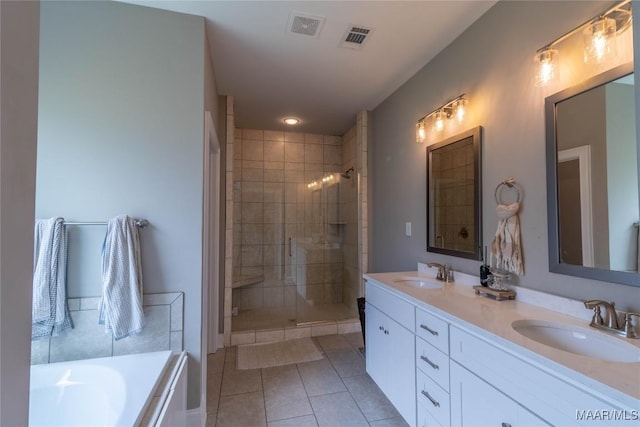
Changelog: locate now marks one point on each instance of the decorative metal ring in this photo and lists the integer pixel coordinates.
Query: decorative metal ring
(511, 183)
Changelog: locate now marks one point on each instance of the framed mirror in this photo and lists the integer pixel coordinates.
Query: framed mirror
(592, 179)
(454, 223)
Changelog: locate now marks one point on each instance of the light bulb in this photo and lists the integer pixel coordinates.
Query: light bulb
(599, 39)
(291, 121)
(547, 69)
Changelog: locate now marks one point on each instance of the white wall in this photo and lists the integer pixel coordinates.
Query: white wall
(121, 131)
(493, 63)
(19, 23)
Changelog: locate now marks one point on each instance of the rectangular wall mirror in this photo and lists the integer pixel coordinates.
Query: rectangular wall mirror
(454, 225)
(592, 179)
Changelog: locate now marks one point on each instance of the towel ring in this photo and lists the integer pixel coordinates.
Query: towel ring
(511, 183)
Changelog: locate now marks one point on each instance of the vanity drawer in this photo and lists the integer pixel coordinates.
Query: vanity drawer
(433, 398)
(432, 362)
(396, 308)
(433, 330)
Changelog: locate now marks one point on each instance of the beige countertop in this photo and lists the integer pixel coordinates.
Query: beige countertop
(457, 302)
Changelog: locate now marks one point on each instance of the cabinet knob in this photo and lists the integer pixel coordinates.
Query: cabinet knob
(505, 425)
(386, 332)
(381, 328)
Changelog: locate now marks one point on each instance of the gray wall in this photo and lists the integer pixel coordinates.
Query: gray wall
(121, 131)
(18, 123)
(493, 63)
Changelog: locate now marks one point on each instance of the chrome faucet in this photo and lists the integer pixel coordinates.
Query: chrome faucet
(445, 273)
(610, 323)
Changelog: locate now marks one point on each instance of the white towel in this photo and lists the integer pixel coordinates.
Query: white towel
(121, 304)
(506, 246)
(49, 311)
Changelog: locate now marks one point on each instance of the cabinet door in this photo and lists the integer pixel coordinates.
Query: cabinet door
(375, 346)
(401, 368)
(476, 403)
(390, 361)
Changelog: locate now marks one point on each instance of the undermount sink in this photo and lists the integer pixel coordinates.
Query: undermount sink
(420, 282)
(578, 340)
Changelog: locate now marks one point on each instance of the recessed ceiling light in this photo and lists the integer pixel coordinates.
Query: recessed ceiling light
(291, 121)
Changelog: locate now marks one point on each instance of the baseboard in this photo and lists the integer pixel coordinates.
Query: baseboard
(196, 417)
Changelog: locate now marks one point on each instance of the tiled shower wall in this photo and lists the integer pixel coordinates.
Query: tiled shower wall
(275, 201)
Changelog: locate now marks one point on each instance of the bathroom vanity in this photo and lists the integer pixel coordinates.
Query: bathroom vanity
(445, 356)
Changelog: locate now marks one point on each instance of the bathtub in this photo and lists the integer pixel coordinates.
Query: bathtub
(109, 391)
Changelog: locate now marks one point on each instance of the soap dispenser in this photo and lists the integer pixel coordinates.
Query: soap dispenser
(484, 270)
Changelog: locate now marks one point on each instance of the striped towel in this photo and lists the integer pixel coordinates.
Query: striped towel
(49, 311)
(121, 304)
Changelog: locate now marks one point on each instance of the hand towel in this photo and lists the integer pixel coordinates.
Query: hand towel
(506, 246)
(121, 303)
(49, 311)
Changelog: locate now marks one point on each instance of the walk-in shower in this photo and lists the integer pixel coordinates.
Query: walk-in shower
(295, 230)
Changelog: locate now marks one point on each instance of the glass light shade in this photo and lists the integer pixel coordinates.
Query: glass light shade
(421, 132)
(460, 109)
(599, 40)
(547, 66)
(439, 121)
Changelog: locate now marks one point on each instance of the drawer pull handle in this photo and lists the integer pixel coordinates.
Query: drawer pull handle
(433, 365)
(505, 425)
(428, 329)
(428, 396)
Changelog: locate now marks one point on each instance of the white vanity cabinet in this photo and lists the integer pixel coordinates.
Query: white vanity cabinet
(390, 348)
(440, 370)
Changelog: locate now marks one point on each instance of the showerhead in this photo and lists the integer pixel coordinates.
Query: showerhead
(346, 174)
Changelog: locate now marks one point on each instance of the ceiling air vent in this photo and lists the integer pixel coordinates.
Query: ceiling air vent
(356, 36)
(304, 24)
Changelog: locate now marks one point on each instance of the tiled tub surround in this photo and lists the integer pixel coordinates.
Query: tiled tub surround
(612, 384)
(87, 340)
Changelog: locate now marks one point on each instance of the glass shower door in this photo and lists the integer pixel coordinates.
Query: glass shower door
(320, 251)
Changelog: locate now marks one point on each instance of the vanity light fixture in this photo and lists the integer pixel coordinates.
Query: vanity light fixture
(599, 34)
(454, 109)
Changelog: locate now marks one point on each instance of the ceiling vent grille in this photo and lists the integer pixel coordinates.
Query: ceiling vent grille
(304, 24)
(356, 36)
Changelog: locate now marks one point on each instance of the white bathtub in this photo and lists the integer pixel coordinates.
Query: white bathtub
(110, 391)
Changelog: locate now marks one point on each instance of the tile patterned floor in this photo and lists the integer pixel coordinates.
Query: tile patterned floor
(332, 392)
